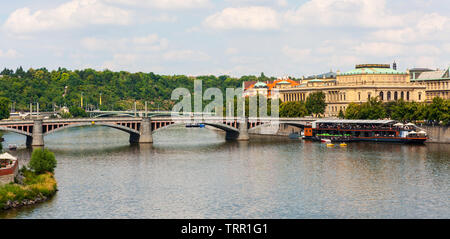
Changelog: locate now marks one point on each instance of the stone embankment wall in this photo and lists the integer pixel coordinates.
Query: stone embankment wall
(437, 134)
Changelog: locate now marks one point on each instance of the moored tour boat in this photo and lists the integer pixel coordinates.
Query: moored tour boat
(364, 130)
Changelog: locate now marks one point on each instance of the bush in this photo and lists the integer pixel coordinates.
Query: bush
(42, 160)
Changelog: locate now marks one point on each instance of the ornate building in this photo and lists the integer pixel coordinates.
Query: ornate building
(358, 85)
(253, 88)
(436, 82)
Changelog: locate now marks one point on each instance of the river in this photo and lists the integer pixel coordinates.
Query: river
(195, 173)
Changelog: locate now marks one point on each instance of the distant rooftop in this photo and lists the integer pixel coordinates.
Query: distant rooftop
(434, 75)
(324, 75)
(420, 69)
(260, 85)
(378, 69)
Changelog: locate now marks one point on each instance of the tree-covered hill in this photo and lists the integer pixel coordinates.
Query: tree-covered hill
(119, 90)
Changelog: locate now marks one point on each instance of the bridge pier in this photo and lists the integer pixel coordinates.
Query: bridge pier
(145, 133)
(37, 136)
(243, 130)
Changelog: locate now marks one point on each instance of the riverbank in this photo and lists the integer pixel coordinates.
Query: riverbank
(33, 189)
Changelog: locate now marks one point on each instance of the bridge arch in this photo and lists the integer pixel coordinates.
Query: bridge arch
(114, 126)
(220, 126)
(298, 125)
(113, 114)
(21, 132)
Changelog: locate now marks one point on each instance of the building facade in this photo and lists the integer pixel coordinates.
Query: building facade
(358, 85)
(437, 83)
(270, 89)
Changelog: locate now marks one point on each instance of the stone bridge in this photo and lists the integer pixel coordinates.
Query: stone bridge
(141, 129)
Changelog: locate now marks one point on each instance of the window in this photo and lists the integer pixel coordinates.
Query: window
(395, 95)
(420, 96)
(381, 95)
(402, 95)
(368, 96)
(389, 95)
(407, 96)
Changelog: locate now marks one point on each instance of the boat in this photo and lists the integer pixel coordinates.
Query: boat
(325, 140)
(342, 131)
(294, 136)
(195, 126)
(12, 147)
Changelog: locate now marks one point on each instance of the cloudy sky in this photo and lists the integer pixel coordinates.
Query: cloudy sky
(234, 37)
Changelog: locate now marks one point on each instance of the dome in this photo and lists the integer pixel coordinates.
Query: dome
(260, 85)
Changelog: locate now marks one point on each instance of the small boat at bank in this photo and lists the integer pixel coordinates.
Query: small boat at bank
(294, 136)
(12, 146)
(342, 131)
(195, 126)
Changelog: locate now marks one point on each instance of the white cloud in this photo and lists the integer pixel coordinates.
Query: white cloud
(362, 13)
(246, 60)
(146, 43)
(165, 4)
(73, 14)
(428, 27)
(254, 18)
(185, 55)
(296, 54)
(379, 49)
(8, 53)
(231, 51)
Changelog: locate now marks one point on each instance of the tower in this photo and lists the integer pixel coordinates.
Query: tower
(394, 66)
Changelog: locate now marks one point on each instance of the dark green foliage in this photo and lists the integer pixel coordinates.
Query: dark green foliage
(42, 160)
(438, 111)
(119, 89)
(315, 103)
(4, 108)
(293, 109)
(341, 114)
(77, 112)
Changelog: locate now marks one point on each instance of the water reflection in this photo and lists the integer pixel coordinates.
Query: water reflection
(195, 173)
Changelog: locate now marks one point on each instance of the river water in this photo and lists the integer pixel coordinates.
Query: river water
(195, 173)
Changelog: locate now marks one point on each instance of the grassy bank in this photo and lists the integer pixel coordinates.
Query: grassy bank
(35, 188)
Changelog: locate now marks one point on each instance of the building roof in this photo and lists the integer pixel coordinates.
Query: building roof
(315, 80)
(260, 85)
(433, 75)
(327, 121)
(374, 71)
(420, 69)
(324, 75)
(284, 83)
(7, 156)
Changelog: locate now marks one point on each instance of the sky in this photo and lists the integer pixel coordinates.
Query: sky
(229, 37)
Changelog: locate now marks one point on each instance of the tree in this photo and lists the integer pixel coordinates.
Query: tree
(293, 109)
(437, 109)
(341, 114)
(315, 103)
(4, 108)
(42, 160)
(77, 112)
(352, 111)
(372, 109)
